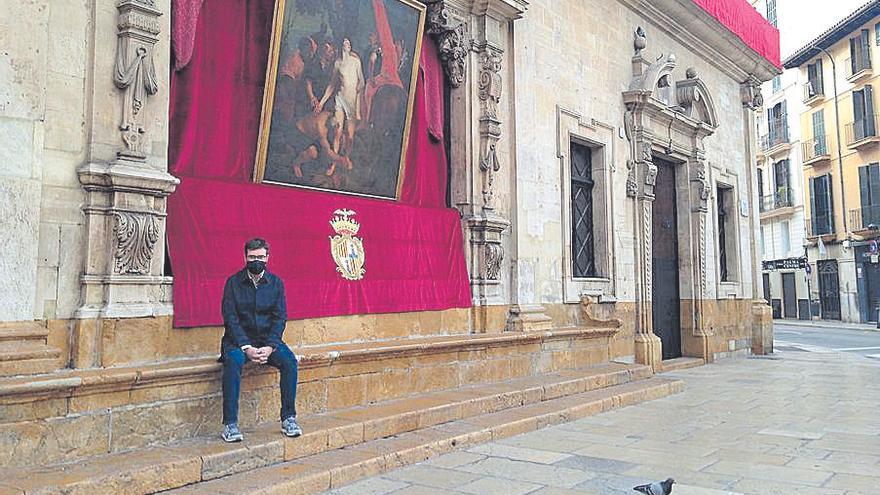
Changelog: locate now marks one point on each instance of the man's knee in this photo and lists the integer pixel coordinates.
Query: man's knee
(285, 358)
(234, 358)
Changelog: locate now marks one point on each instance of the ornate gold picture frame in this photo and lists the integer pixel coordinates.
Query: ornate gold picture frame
(338, 100)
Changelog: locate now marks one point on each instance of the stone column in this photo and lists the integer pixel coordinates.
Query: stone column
(762, 314)
(125, 179)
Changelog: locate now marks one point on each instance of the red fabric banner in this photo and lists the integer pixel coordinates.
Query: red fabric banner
(413, 248)
(747, 24)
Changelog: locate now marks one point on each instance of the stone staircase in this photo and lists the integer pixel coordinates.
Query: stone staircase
(24, 349)
(344, 445)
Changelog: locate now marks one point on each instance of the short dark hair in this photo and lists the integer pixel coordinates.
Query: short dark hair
(256, 243)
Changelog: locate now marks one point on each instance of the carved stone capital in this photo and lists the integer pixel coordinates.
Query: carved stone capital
(750, 94)
(449, 29)
(134, 72)
(700, 181)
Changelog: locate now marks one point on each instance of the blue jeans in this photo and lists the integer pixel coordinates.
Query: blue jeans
(281, 358)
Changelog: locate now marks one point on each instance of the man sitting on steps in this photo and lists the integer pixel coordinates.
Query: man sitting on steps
(254, 315)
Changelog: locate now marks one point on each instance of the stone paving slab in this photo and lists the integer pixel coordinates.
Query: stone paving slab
(800, 423)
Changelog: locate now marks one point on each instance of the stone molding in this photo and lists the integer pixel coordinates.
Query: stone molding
(691, 26)
(134, 72)
(601, 138)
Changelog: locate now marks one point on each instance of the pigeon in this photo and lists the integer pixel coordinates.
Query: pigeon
(656, 488)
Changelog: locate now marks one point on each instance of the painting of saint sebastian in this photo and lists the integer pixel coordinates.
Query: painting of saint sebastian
(339, 94)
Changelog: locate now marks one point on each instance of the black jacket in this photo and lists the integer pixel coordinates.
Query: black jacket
(253, 315)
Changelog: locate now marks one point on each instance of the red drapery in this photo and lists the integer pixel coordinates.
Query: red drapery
(744, 21)
(413, 247)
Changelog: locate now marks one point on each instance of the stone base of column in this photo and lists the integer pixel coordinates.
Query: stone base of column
(762, 328)
(528, 318)
(649, 350)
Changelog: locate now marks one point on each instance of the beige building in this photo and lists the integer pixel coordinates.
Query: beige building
(840, 152)
(652, 103)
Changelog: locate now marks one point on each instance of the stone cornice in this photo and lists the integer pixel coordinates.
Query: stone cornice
(692, 26)
(502, 9)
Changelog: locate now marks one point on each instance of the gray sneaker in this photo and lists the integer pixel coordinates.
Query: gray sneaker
(290, 428)
(231, 433)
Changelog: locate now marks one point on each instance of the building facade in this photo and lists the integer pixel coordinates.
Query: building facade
(780, 180)
(604, 178)
(840, 161)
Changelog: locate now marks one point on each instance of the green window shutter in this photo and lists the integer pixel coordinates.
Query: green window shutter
(820, 89)
(829, 204)
(819, 133)
(869, 111)
(814, 222)
(865, 186)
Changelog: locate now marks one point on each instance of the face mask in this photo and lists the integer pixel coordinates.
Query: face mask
(256, 266)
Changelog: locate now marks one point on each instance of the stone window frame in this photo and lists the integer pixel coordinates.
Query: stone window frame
(600, 138)
(732, 288)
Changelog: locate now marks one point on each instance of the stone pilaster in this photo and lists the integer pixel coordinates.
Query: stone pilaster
(700, 194)
(472, 37)
(648, 348)
(126, 194)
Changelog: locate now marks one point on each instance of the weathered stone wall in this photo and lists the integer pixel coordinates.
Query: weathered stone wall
(59, 109)
(575, 54)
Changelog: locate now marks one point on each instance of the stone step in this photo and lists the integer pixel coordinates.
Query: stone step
(333, 469)
(681, 363)
(205, 458)
(27, 357)
(24, 331)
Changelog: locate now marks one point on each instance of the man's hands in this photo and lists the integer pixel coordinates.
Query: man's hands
(259, 355)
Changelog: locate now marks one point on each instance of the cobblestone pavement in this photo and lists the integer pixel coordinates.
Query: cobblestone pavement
(794, 423)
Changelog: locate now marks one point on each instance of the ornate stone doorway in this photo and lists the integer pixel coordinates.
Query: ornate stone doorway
(668, 118)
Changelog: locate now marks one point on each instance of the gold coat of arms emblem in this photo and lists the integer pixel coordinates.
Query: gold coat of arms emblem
(347, 250)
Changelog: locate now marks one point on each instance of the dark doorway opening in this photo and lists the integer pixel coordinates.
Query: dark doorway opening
(666, 305)
(789, 296)
(829, 289)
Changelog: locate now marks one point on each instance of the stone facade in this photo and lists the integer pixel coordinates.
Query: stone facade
(84, 123)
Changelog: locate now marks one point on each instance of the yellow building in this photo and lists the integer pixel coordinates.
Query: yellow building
(840, 153)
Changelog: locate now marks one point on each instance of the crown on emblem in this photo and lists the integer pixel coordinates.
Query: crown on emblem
(343, 224)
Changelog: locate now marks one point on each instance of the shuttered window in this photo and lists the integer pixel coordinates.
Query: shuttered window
(819, 144)
(860, 51)
(582, 238)
(863, 113)
(771, 11)
(821, 205)
(815, 78)
(869, 189)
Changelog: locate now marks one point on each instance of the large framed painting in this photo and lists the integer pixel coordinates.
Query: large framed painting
(339, 95)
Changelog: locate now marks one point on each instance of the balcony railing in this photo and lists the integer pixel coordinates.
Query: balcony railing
(824, 225)
(865, 218)
(856, 65)
(813, 89)
(781, 199)
(861, 129)
(778, 134)
(815, 149)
